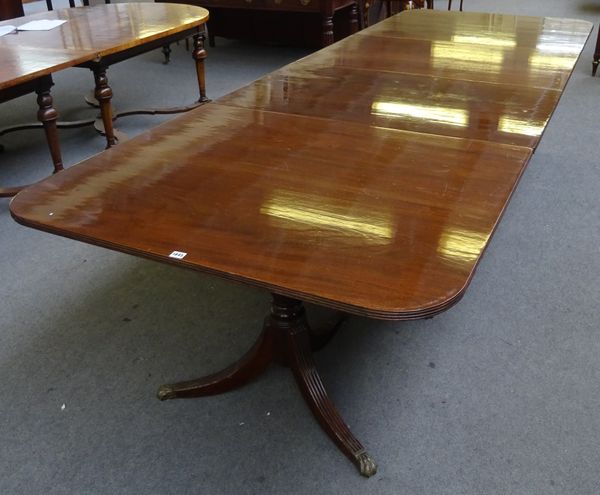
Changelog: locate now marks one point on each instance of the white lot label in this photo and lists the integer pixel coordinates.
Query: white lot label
(177, 255)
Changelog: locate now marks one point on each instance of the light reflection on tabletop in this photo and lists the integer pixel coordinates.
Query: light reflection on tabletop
(308, 210)
(551, 62)
(450, 116)
(518, 126)
(503, 42)
(465, 57)
(404, 101)
(461, 245)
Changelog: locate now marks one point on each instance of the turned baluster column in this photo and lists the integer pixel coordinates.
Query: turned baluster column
(327, 21)
(103, 93)
(199, 54)
(353, 19)
(48, 115)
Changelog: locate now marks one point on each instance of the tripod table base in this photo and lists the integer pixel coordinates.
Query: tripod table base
(287, 339)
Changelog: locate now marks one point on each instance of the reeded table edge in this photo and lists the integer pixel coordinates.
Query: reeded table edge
(427, 311)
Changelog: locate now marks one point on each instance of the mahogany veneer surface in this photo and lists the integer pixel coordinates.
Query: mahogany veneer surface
(450, 107)
(89, 33)
(381, 210)
(485, 29)
(517, 66)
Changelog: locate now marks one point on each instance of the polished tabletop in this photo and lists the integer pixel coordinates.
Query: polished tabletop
(364, 177)
(480, 76)
(89, 33)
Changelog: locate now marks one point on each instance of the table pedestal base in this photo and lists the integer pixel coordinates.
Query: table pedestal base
(286, 339)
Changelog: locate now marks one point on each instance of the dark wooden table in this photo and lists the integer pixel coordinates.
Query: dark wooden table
(368, 177)
(10, 9)
(300, 22)
(94, 38)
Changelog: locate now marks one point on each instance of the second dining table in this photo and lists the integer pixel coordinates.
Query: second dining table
(94, 38)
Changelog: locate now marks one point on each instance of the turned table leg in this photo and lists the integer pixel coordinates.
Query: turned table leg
(199, 54)
(103, 93)
(354, 25)
(286, 339)
(48, 115)
(327, 34)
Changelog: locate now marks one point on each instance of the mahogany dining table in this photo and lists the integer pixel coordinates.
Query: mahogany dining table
(368, 177)
(10, 9)
(94, 38)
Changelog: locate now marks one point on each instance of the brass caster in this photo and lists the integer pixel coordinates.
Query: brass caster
(165, 392)
(366, 465)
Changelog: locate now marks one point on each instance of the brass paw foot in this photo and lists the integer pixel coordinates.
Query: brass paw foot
(165, 392)
(366, 465)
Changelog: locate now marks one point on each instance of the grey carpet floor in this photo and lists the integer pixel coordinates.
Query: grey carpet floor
(499, 395)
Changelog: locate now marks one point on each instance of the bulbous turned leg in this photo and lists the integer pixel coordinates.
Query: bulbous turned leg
(199, 55)
(252, 364)
(327, 29)
(103, 93)
(354, 24)
(299, 359)
(47, 115)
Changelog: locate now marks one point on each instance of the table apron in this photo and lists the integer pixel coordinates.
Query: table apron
(31, 86)
(114, 58)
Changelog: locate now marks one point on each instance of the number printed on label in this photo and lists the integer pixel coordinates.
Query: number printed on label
(177, 255)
